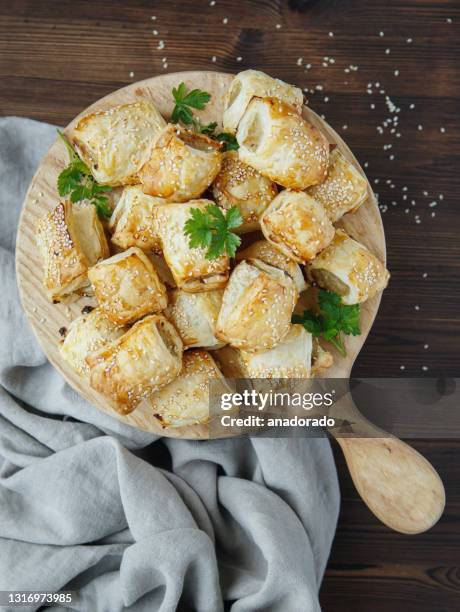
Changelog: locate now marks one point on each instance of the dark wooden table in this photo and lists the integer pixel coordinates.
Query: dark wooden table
(58, 56)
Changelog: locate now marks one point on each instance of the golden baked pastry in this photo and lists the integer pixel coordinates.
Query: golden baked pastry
(349, 269)
(256, 307)
(181, 165)
(297, 225)
(88, 333)
(132, 220)
(237, 184)
(127, 286)
(116, 143)
(189, 266)
(185, 401)
(194, 315)
(275, 140)
(253, 83)
(131, 368)
(70, 239)
(263, 250)
(344, 189)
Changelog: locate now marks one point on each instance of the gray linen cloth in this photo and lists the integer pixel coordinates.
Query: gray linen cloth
(127, 520)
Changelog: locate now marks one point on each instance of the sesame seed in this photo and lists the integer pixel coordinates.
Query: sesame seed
(420, 127)
(331, 34)
(239, 58)
(213, 58)
(409, 40)
(225, 20)
(381, 34)
(402, 367)
(425, 368)
(396, 73)
(417, 307)
(442, 130)
(426, 346)
(387, 51)
(425, 275)
(131, 74)
(278, 26)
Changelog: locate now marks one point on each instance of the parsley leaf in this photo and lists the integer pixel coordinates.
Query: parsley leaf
(212, 229)
(229, 141)
(77, 181)
(185, 101)
(333, 320)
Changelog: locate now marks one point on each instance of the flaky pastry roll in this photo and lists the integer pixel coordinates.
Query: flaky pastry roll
(291, 358)
(349, 269)
(116, 143)
(70, 239)
(344, 189)
(256, 307)
(237, 184)
(253, 83)
(132, 220)
(131, 368)
(127, 286)
(297, 225)
(263, 250)
(181, 165)
(194, 315)
(86, 334)
(189, 266)
(282, 145)
(185, 401)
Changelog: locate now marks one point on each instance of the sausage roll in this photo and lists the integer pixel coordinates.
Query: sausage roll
(194, 315)
(116, 143)
(256, 307)
(280, 144)
(267, 253)
(181, 165)
(127, 286)
(240, 185)
(297, 225)
(291, 358)
(344, 189)
(86, 334)
(70, 239)
(185, 401)
(132, 220)
(131, 368)
(349, 269)
(253, 83)
(189, 266)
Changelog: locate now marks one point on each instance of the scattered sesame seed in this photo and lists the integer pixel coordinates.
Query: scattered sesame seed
(213, 58)
(409, 40)
(425, 368)
(153, 17)
(278, 26)
(387, 51)
(449, 20)
(225, 20)
(239, 58)
(131, 74)
(331, 34)
(442, 130)
(426, 346)
(417, 307)
(345, 127)
(212, 3)
(381, 34)
(402, 367)
(412, 106)
(420, 127)
(396, 73)
(299, 61)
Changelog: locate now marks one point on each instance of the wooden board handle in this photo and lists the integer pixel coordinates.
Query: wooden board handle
(399, 486)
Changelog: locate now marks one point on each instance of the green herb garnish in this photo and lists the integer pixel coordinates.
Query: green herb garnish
(212, 229)
(185, 101)
(77, 181)
(229, 141)
(333, 320)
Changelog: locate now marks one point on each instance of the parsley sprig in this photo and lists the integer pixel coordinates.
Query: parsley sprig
(77, 181)
(333, 320)
(185, 101)
(212, 229)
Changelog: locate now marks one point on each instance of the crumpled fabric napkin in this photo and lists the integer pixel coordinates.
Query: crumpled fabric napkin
(128, 520)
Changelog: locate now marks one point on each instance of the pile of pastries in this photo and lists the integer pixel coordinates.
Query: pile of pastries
(169, 319)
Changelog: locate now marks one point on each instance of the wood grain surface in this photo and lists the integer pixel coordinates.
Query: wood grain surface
(57, 57)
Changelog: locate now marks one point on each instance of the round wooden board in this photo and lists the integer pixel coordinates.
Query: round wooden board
(46, 319)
